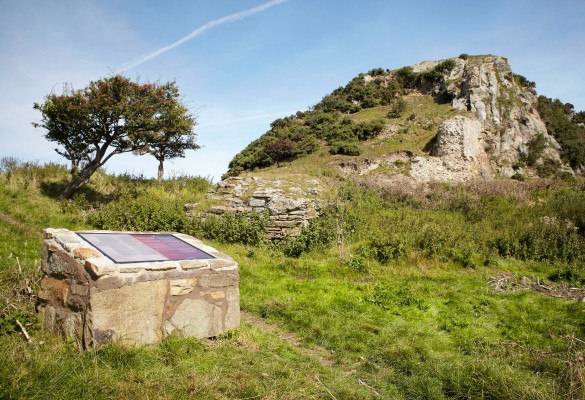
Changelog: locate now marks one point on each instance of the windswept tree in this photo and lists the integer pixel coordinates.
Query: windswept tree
(113, 116)
(177, 134)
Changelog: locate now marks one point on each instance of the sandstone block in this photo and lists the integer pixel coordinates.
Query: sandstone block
(214, 280)
(182, 286)
(85, 252)
(232, 316)
(215, 294)
(131, 314)
(254, 202)
(198, 318)
(194, 264)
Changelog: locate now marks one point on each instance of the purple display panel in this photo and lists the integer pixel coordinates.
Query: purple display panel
(143, 247)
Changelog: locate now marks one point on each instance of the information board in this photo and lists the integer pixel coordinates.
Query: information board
(143, 247)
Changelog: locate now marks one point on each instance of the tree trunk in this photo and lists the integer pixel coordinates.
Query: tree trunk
(78, 181)
(161, 170)
(74, 169)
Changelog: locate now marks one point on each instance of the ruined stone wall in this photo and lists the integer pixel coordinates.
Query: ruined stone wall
(86, 296)
(289, 206)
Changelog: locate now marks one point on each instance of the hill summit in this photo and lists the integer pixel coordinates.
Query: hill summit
(457, 119)
(453, 120)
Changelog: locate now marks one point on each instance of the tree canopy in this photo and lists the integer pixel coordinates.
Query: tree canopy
(113, 116)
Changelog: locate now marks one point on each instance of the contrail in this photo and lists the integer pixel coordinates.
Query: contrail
(211, 24)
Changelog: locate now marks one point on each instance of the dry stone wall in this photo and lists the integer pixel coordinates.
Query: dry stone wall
(86, 296)
(289, 205)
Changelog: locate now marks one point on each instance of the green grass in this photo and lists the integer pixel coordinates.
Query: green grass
(431, 332)
(426, 324)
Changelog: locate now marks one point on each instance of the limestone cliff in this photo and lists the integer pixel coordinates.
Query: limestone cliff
(496, 138)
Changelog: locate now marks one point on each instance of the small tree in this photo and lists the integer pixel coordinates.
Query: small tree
(112, 116)
(177, 134)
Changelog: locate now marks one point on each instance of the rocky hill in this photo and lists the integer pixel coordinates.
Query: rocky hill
(452, 120)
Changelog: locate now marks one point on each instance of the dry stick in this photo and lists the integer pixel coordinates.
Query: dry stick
(24, 332)
(326, 388)
(361, 382)
(19, 267)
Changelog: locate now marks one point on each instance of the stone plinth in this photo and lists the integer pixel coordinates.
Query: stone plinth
(88, 296)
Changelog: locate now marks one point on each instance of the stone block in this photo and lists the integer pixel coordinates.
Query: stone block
(254, 202)
(182, 286)
(198, 318)
(215, 279)
(85, 295)
(131, 314)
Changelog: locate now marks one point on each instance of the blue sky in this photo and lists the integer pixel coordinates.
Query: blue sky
(238, 74)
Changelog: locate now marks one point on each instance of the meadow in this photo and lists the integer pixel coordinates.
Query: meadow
(458, 292)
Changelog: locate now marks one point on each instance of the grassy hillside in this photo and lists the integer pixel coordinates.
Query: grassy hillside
(458, 292)
(381, 111)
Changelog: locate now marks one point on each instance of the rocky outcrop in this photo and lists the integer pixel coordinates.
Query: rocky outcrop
(506, 111)
(289, 205)
(458, 153)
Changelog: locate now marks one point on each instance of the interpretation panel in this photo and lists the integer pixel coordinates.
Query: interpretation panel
(143, 247)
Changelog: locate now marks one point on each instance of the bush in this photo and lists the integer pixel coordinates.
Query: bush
(524, 82)
(319, 234)
(398, 106)
(246, 228)
(545, 241)
(406, 77)
(561, 123)
(388, 248)
(147, 212)
(536, 147)
(347, 149)
(281, 149)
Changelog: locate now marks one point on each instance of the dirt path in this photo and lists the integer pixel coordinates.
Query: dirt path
(321, 354)
(11, 221)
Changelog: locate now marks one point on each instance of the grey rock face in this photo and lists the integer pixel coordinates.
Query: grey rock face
(506, 118)
(457, 155)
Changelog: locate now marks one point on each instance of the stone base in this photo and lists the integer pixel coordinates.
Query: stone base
(86, 296)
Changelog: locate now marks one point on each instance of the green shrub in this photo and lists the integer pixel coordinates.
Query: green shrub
(320, 233)
(387, 248)
(562, 123)
(524, 82)
(406, 77)
(398, 106)
(357, 263)
(432, 240)
(344, 148)
(542, 241)
(246, 228)
(536, 148)
(146, 212)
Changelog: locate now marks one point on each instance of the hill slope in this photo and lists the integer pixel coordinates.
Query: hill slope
(450, 120)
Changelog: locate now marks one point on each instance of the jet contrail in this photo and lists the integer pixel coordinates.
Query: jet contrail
(211, 24)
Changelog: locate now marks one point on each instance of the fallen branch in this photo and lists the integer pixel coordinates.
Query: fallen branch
(363, 383)
(24, 332)
(325, 387)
